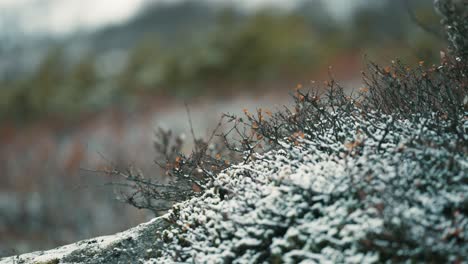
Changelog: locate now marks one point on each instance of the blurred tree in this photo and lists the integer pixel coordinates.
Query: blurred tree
(377, 24)
(318, 17)
(84, 74)
(264, 45)
(46, 82)
(74, 92)
(144, 70)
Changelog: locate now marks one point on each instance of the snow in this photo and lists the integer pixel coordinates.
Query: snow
(96, 244)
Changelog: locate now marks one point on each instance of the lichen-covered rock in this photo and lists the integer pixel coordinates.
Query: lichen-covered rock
(130, 246)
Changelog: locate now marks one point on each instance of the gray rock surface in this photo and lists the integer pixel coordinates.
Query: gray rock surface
(131, 246)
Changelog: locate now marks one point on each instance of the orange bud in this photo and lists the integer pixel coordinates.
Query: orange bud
(363, 89)
(301, 134)
(196, 188)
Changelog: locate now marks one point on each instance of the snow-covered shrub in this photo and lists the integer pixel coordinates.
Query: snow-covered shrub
(377, 175)
(346, 185)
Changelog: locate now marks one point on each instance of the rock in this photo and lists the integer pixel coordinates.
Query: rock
(124, 247)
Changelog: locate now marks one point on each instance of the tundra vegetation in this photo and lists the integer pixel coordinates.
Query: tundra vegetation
(371, 175)
(376, 174)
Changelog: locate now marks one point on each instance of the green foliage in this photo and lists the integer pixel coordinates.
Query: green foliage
(44, 85)
(143, 70)
(52, 90)
(263, 46)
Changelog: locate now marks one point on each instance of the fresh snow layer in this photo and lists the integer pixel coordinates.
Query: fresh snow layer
(334, 199)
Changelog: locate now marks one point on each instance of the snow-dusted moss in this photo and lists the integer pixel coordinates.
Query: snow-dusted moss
(398, 193)
(381, 176)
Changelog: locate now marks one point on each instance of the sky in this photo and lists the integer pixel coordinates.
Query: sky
(64, 16)
(67, 16)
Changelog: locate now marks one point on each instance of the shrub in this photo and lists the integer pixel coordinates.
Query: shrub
(340, 180)
(373, 175)
(338, 176)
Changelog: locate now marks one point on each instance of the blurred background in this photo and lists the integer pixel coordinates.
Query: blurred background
(84, 83)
